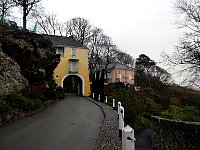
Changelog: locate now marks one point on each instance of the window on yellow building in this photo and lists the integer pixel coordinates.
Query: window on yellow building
(57, 76)
(73, 51)
(60, 50)
(73, 66)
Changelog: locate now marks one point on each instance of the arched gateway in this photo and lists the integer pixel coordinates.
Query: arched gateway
(72, 71)
(73, 84)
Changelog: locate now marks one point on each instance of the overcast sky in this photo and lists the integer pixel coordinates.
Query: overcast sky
(135, 26)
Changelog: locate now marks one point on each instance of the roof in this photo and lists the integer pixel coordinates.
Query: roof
(63, 40)
(118, 66)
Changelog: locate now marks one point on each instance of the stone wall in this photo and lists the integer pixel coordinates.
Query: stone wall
(175, 135)
(11, 79)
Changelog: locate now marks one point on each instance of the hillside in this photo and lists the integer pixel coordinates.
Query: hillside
(32, 57)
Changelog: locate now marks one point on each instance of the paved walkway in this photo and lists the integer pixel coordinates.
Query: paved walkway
(143, 140)
(72, 124)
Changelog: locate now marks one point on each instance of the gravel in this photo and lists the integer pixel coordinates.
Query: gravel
(108, 137)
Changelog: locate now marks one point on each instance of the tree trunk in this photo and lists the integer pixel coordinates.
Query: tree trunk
(2, 16)
(24, 14)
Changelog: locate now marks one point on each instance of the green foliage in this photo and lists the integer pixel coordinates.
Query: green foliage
(16, 100)
(140, 123)
(134, 106)
(187, 113)
(4, 107)
(35, 95)
(148, 74)
(60, 93)
(29, 104)
(152, 109)
(50, 94)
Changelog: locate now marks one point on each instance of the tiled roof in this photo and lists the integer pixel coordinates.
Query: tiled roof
(118, 66)
(63, 41)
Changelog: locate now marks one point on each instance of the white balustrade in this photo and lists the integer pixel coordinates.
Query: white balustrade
(106, 100)
(128, 139)
(113, 103)
(99, 98)
(121, 120)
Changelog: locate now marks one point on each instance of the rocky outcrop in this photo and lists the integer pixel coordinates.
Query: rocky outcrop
(11, 79)
(34, 54)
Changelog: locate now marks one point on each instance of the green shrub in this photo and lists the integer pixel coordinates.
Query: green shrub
(60, 93)
(14, 99)
(140, 123)
(19, 101)
(50, 94)
(152, 109)
(30, 104)
(4, 107)
(187, 113)
(35, 95)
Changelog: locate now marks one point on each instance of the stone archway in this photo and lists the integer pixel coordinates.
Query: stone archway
(73, 84)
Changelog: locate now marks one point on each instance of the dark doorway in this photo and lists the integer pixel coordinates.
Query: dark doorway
(73, 85)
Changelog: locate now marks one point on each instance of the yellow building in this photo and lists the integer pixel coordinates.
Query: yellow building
(72, 71)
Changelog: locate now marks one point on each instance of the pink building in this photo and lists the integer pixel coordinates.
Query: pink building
(120, 73)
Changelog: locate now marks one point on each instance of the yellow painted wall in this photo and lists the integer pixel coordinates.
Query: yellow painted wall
(63, 67)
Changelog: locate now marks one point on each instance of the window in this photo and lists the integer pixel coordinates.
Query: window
(60, 50)
(130, 76)
(73, 51)
(57, 76)
(120, 76)
(73, 66)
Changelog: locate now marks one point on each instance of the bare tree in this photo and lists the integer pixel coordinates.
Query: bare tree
(110, 51)
(80, 28)
(102, 51)
(60, 28)
(5, 6)
(27, 6)
(48, 22)
(189, 13)
(95, 50)
(187, 53)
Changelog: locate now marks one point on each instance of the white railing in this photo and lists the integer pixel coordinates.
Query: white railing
(126, 133)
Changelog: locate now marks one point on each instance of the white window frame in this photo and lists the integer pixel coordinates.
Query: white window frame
(73, 51)
(73, 66)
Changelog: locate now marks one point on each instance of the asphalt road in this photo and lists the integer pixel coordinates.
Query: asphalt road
(71, 124)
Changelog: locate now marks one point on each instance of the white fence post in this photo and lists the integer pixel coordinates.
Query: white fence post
(128, 139)
(93, 95)
(106, 99)
(118, 107)
(121, 120)
(99, 98)
(113, 103)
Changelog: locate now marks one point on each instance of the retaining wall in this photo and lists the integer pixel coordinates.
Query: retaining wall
(174, 135)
